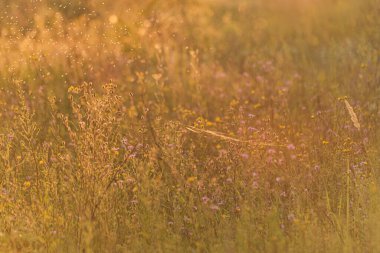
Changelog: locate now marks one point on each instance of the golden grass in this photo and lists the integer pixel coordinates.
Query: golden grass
(353, 116)
(189, 126)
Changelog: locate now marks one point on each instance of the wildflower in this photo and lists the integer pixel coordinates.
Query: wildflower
(205, 199)
(209, 123)
(4, 191)
(115, 150)
(220, 75)
(324, 142)
(41, 162)
(214, 207)
(140, 76)
(258, 105)
(260, 79)
(157, 46)
(291, 217)
(225, 216)
(27, 184)
(291, 147)
(191, 179)
(186, 219)
(222, 152)
(11, 136)
(113, 19)
(157, 76)
(132, 112)
(124, 141)
(129, 180)
(234, 103)
(244, 156)
(73, 90)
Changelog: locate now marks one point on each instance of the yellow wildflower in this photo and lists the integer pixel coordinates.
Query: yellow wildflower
(191, 179)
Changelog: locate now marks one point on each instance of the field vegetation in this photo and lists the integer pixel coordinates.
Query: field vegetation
(190, 126)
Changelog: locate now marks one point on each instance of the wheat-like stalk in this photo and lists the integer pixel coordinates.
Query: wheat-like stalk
(228, 138)
(222, 136)
(354, 117)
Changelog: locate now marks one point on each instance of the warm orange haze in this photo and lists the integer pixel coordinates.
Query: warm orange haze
(190, 126)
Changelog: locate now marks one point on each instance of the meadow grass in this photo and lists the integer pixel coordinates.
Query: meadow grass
(190, 126)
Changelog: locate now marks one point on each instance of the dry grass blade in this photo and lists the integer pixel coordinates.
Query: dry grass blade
(354, 117)
(228, 138)
(222, 136)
